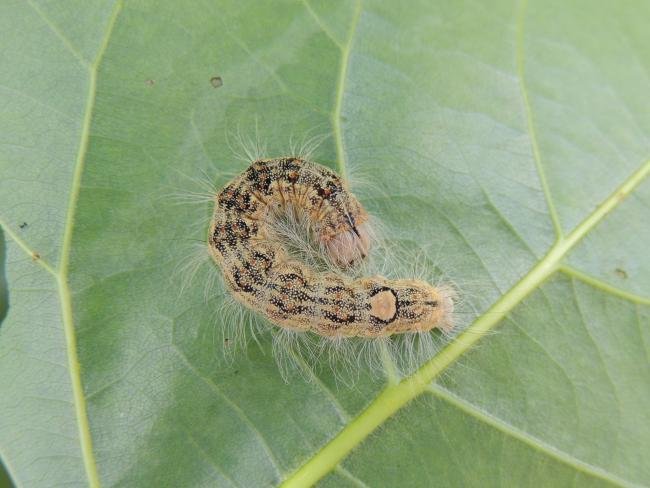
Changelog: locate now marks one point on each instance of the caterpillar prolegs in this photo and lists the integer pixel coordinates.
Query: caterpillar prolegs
(262, 274)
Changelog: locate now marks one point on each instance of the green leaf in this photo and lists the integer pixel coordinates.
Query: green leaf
(509, 141)
(5, 481)
(4, 290)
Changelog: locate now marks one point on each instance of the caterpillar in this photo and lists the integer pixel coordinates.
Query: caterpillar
(260, 272)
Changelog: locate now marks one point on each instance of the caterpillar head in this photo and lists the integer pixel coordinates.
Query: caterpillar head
(345, 235)
(349, 247)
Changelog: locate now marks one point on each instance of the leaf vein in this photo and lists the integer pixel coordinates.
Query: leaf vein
(524, 437)
(530, 123)
(57, 32)
(613, 446)
(209, 460)
(235, 408)
(603, 286)
(320, 23)
(340, 88)
(338, 408)
(81, 413)
(25, 247)
(346, 474)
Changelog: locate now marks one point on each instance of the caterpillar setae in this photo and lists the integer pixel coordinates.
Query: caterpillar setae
(261, 273)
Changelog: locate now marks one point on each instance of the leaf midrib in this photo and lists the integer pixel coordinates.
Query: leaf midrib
(395, 396)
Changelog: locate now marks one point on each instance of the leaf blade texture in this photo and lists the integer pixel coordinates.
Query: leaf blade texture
(507, 140)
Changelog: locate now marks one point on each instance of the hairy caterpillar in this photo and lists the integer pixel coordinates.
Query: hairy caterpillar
(261, 273)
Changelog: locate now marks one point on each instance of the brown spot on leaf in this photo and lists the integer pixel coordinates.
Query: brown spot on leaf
(216, 81)
(621, 273)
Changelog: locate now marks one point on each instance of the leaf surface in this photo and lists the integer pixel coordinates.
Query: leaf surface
(509, 141)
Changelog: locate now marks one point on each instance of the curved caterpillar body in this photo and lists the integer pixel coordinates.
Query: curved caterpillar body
(261, 273)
